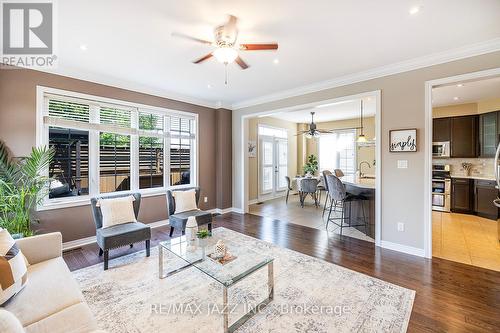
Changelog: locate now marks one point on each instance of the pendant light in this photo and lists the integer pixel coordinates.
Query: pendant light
(361, 136)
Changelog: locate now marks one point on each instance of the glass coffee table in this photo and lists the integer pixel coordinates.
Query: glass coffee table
(246, 262)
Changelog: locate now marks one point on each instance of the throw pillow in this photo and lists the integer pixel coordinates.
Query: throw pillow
(13, 270)
(184, 201)
(9, 323)
(117, 211)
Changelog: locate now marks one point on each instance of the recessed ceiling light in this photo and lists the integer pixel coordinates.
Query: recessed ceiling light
(455, 98)
(83, 47)
(414, 10)
(460, 85)
(276, 61)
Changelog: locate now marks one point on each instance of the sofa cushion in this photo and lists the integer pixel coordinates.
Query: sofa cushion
(74, 319)
(9, 323)
(180, 220)
(51, 288)
(117, 211)
(122, 234)
(13, 270)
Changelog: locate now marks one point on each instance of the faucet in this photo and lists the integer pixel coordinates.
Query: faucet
(361, 174)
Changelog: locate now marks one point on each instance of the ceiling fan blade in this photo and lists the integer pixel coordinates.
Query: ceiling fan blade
(324, 131)
(301, 132)
(231, 22)
(240, 62)
(199, 40)
(258, 47)
(208, 56)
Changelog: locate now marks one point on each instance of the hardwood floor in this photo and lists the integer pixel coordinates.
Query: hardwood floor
(450, 296)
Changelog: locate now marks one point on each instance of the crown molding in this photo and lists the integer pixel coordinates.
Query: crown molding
(135, 87)
(472, 50)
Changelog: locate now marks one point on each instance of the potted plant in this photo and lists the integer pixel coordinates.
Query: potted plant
(203, 235)
(311, 166)
(22, 188)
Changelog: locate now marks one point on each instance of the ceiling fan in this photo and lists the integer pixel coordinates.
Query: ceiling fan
(226, 45)
(313, 131)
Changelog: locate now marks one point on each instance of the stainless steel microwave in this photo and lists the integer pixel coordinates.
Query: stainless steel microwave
(441, 149)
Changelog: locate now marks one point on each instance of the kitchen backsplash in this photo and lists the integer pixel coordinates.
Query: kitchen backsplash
(482, 167)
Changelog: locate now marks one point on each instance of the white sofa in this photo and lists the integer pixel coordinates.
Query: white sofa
(51, 301)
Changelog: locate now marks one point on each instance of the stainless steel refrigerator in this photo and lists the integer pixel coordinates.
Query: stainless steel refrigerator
(496, 202)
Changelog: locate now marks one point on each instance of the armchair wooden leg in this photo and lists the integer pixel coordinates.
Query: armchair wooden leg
(148, 248)
(171, 231)
(106, 259)
(100, 252)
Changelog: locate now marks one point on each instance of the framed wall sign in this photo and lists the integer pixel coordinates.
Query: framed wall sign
(403, 140)
(252, 149)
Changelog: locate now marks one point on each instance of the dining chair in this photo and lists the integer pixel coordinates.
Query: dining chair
(338, 173)
(308, 186)
(288, 187)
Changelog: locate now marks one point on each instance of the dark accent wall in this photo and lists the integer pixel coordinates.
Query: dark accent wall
(18, 130)
(224, 158)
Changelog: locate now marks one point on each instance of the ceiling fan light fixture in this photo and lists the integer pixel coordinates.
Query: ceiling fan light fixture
(225, 55)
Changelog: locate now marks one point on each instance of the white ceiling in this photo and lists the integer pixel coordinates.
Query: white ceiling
(466, 92)
(331, 112)
(129, 44)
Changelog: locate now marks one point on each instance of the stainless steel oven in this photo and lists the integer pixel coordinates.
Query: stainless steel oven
(441, 188)
(441, 149)
(441, 195)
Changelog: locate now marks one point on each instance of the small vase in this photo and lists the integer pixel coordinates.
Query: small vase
(191, 230)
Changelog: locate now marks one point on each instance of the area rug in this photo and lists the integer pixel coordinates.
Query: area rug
(311, 295)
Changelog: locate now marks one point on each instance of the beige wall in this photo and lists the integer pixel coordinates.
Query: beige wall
(17, 130)
(479, 107)
(253, 163)
(362, 153)
(403, 106)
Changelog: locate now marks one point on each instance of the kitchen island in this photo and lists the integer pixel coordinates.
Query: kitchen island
(365, 187)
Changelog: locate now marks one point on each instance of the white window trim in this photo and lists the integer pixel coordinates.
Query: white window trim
(42, 140)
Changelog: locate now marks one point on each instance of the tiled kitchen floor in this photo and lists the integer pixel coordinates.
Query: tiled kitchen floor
(467, 239)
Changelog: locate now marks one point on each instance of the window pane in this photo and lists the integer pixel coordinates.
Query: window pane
(69, 110)
(114, 162)
(268, 153)
(150, 121)
(70, 166)
(270, 131)
(150, 162)
(115, 116)
(267, 179)
(180, 150)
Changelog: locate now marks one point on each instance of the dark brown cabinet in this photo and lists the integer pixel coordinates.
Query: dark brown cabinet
(461, 195)
(441, 129)
(488, 134)
(484, 194)
(464, 136)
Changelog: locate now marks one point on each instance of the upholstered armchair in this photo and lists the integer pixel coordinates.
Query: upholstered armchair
(119, 235)
(179, 220)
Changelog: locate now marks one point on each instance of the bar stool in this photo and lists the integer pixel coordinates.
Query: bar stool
(326, 173)
(338, 195)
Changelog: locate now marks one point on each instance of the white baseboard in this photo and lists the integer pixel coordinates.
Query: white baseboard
(221, 211)
(253, 201)
(402, 248)
(92, 239)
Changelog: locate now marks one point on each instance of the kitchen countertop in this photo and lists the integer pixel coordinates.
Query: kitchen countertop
(359, 182)
(478, 177)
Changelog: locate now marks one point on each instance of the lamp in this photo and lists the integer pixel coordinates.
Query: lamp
(361, 136)
(225, 55)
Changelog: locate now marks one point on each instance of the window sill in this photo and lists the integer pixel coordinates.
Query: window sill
(85, 201)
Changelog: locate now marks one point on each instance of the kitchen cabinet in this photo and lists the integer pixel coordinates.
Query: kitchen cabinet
(461, 195)
(484, 194)
(441, 129)
(464, 136)
(488, 133)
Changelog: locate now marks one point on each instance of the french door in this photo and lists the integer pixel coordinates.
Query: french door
(273, 160)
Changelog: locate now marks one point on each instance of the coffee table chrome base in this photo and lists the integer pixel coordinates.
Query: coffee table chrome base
(248, 315)
(161, 270)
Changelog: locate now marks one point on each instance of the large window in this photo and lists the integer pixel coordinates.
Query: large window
(106, 146)
(338, 151)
